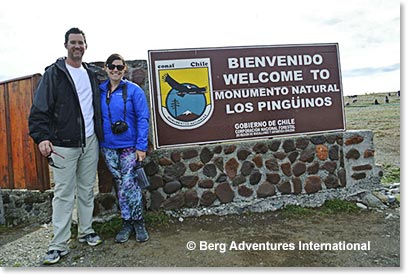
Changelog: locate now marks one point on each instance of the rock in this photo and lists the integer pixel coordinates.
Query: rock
(174, 202)
(260, 148)
(224, 193)
(312, 184)
(156, 200)
(372, 201)
(189, 181)
(209, 170)
(207, 198)
(206, 155)
(392, 199)
(191, 198)
(172, 187)
(242, 154)
(321, 152)
(360, 205)
(206, 183)
(288, 146)
(382, 197)
(189, 154)
(245, 191)
(265, 190)
(247, 168)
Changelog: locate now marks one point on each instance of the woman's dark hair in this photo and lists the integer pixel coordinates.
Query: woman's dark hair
(74, 31)
(113, 57)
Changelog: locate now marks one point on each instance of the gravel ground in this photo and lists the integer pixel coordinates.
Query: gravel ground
(219, 238)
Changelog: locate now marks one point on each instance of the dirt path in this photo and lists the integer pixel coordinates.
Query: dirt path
(378, 230)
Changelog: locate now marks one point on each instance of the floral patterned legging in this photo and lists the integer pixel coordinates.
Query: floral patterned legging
(121, 163)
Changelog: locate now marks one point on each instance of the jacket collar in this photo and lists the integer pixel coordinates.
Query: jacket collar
(105, 85)
(60, 63)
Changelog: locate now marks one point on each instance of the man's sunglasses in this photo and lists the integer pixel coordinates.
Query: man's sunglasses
(51, 162)
(119, 67)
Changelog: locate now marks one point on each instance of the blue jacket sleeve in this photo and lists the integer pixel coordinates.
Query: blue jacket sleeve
(143, 118)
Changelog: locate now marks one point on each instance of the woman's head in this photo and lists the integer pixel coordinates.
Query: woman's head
(115, 66)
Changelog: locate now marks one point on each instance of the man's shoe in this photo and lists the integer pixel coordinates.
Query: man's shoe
(53, 256)
(125, 232)
(91, 239)
(141, 232)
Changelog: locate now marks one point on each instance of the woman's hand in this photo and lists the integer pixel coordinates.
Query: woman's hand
(141, 155)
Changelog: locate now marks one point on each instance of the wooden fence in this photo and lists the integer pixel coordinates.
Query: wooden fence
(21, 164)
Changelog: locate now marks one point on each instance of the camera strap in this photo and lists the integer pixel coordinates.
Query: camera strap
(124, 95)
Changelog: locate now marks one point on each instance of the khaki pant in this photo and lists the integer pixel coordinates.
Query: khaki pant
(76, 178)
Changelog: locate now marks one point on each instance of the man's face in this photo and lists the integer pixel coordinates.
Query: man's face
(76, 46)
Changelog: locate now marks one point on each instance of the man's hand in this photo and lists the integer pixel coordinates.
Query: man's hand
(45, 148)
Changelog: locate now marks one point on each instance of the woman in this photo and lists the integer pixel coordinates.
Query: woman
(125, 117)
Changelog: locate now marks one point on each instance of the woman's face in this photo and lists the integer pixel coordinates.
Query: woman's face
(115, 70)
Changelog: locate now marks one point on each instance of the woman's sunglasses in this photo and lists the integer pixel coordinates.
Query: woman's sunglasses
(51, 162)
(119, 67)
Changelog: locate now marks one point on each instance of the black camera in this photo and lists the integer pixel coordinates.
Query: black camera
(119, 127)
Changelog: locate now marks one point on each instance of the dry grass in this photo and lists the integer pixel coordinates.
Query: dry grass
(382, 119)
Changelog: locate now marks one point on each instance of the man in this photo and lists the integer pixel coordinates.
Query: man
(65, 123)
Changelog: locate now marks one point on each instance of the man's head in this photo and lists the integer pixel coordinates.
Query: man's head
(75, 43)
(74, 31)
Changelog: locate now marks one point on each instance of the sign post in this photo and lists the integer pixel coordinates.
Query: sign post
(214, 95)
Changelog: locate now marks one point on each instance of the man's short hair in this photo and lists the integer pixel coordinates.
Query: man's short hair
(74, 31)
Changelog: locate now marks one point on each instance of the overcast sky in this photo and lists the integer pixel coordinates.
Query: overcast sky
(367, 31)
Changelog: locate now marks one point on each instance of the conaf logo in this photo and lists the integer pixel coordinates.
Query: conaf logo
(185, 93)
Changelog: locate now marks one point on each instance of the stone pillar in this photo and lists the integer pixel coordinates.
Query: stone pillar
(2, 213)
(359, 157)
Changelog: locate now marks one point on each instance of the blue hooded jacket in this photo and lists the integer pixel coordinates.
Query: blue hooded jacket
(137, 116)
